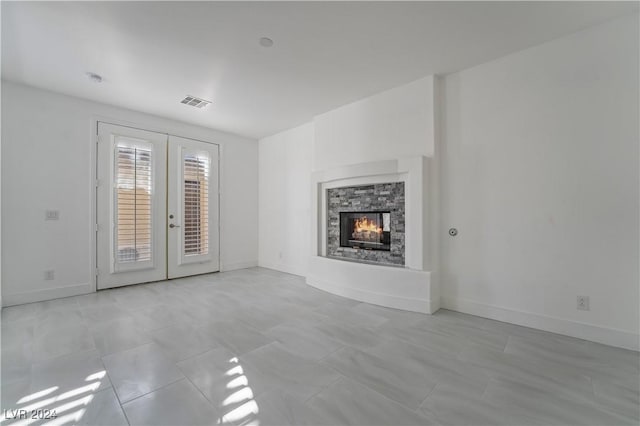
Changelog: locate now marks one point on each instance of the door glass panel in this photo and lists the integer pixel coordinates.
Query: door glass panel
(133, 202)
(196, 203)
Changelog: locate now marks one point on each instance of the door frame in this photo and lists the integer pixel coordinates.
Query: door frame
(95, 120)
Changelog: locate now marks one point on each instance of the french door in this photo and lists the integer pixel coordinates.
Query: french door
(157, 206)
(193, 240)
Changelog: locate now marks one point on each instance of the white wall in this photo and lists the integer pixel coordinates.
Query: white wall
(46, 164)
(540, 176)
(284, 169)
(397, 123)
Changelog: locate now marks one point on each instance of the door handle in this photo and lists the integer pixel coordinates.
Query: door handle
(171, 225)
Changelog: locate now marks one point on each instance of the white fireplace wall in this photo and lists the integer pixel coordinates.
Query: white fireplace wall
(395, 126)
(388, 134)
(397, 123)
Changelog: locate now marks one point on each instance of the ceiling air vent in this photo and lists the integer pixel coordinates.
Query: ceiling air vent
(196, 102)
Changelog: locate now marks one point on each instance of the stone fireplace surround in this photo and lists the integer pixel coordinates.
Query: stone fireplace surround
(409, 287)
(388, 196)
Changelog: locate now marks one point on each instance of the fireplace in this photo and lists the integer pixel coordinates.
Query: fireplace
(366, 230)
(365, 223)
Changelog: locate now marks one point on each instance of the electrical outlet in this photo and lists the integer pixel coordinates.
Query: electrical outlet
(583, 303)
(49, 275)
(52, 215)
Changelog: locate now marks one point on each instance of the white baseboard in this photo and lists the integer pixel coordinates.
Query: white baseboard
(283, 267)
(390, 301)
(48, 294)
(594, 333)
(226, 267)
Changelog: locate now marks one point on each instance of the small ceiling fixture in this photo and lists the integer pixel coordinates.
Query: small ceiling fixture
(96, 78)
(266, 42)
(195, 102)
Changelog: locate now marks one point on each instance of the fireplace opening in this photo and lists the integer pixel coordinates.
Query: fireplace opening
(366, 230)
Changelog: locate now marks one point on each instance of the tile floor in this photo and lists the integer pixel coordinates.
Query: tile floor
(260, 347)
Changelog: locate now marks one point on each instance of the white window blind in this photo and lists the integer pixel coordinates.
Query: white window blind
(133, 164)
(196, 203)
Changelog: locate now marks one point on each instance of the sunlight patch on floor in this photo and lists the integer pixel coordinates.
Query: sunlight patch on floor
(59, 404)
(242, 394)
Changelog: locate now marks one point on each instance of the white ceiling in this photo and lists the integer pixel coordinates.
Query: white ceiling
(326, 54)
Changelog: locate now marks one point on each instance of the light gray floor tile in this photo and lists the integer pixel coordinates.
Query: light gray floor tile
(19, 312)
(618, 399)
(281, 408)
(301, 315)
(160, 316)
(201, 312)
(74, 372)
(53, 320)
(103, 410)
(553, 377)
(64, 304)
(394, 315)
(347, 315)
(16, 333)
(238, 337)
(259, 345)
(74, 388)
(182, 342)
(138, 371)
(261, 319)
(432, 366)
(99, 314)
(392, 378)
(99, 298)
(179, 403)
(451, 404)
(552, 408)
(16, 363)
(218, 374)
(136, 298)
(118, 335)
(348, 335)
(62, 341)
(271, 367)
(533, 334)
(300, 340)
(432, 340)
(575, 357)
(349, 403)
(621, 357)
(12, 393)
(461, 327)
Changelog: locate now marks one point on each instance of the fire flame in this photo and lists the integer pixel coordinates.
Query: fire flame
(365, 225)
